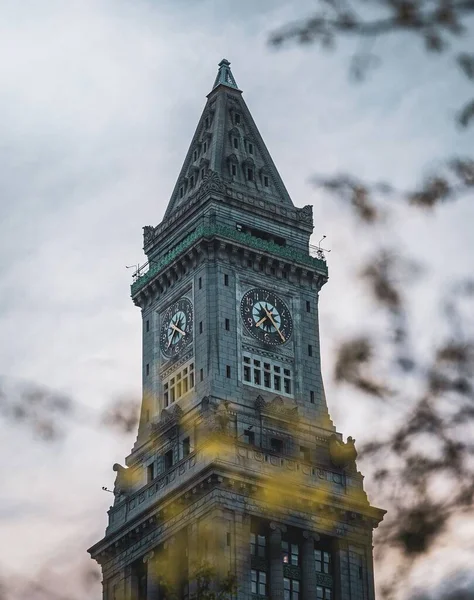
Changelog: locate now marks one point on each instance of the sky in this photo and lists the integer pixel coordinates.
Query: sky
(99, 100)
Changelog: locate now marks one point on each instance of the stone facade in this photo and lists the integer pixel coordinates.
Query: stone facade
(237, 463)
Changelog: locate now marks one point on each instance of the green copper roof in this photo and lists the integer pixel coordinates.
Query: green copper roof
(224, 75)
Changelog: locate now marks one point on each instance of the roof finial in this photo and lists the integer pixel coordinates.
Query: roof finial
(224, 75)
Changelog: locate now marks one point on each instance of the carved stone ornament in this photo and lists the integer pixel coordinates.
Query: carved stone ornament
(342, 454)
(260, 403)
(148, 234)
(211, 183)
(305, 214)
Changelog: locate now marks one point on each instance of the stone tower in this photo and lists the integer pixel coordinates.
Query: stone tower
(237, 461)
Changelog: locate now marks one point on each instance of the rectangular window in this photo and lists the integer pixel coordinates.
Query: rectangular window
(290, 553)
(148, 326)
(311, 397)
(265, 180)
(200, 282)
(180, 384)
(267, 374)
(195, 155)
(308, 306)
(322, 561)
(227, 371)
(258, 545)
(310, 350)
(249, 437)
(150, 472)
(237, 119)
(203, 172)
(323, 593)
(291, 589)
(226, 279)
(305, 454)
(227, 325)
(234, 170)
(147, 369)
(276, 445)
(200, 326)
(168, 460)
(236, 142)
(181, 192)
(186, 447)
(250, 148)
(259, 582)
(250, 174)
(204, 148)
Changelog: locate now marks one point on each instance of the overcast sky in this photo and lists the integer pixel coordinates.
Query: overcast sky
(99, 100)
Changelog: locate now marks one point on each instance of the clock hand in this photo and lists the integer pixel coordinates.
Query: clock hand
(260, 322)
(171, 338)
(270, 316)
(177, 329)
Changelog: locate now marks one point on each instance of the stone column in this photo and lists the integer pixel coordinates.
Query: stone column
(152, 580)
(276, 562)
(308, 566)
(194, 557)
(131, 584)
(242, 554)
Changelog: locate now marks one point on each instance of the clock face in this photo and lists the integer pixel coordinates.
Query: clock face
(176, 327)
(266, 317)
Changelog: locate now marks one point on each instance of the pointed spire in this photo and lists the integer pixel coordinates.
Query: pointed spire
(224, 75)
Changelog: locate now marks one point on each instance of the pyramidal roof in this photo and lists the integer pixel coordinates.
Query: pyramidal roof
(228, 145)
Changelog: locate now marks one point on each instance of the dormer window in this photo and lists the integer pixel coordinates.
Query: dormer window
(233, 169)
(181, 191)
(236, 142)
(250, 146)
(265, 181)
(237, 119)
(204, 148)
(203, 172)
(249, 173)
(195, 155)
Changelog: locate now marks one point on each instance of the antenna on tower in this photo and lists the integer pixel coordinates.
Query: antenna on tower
(318, 251)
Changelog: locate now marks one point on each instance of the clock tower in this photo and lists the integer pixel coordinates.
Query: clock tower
(237, 462)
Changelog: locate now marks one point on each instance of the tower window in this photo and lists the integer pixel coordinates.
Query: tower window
(186, 447)
(203, 172)
(148, 326)
(180, 384)
(181, 191)
(227, 325)
(206, 122)
(226, 279)
(234, 170)
(323, 593)
(311, 397)
(147, 369)
(310, 350)
(291, 588)
(276, 445)
(268, 374)
(265, 180)
(259, 582)
(322, 561)
(195, 155)
(200, 282)
(249, 436)
(258, 545)
(237, 119)
(201, 375)
(227, 371)
(308, 306)
(168, 460)
(200, 326)
(236, 142)
(250, 174)
(204, 148)
(250, 148)
(290, 553)
(150, 472)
